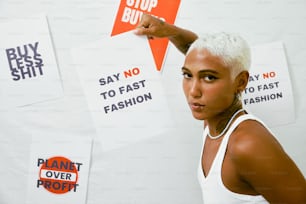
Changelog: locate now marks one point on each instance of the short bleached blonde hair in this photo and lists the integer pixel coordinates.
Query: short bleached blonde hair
(232, 49)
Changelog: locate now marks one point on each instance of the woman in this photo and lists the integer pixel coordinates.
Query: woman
(241, 162)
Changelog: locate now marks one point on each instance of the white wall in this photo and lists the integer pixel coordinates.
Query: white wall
(161, 169)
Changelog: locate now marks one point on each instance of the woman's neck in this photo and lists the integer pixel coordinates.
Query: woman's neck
(218, 123)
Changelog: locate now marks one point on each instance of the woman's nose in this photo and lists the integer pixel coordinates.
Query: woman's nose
(195, 89)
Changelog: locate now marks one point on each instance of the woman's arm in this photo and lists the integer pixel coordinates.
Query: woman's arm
(156, 28)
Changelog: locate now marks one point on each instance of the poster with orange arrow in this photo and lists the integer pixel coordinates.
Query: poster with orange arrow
(129, 15)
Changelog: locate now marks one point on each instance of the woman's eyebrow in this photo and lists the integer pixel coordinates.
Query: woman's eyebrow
(185, 69)
(203, 71)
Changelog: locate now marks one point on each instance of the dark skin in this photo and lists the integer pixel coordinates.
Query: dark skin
(255, 163)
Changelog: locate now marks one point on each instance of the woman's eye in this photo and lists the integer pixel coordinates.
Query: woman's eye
(186, 75)
(209, 78)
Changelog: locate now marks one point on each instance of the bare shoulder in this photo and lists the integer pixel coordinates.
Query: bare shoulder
(262, 162)
(252, 137)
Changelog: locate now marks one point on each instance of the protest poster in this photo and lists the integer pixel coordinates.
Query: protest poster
(28, 67)
(269, 92)
(59, 169)
(130, 12)
(123, 89)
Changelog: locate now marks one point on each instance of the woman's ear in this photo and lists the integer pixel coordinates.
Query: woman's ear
(242, 81)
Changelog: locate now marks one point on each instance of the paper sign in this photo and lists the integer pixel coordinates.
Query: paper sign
(129, 15)
(59, 169)
(269, 92)
(123, 89)
(28, 69)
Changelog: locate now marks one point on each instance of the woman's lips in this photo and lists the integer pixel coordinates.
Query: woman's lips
(196, 106)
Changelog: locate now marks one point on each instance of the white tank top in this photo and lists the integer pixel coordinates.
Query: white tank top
(213, 189)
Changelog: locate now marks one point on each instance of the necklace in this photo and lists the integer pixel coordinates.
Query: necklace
(226, 127)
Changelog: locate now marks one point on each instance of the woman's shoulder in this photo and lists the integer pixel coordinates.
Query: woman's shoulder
(261, 161)
(252, 137)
